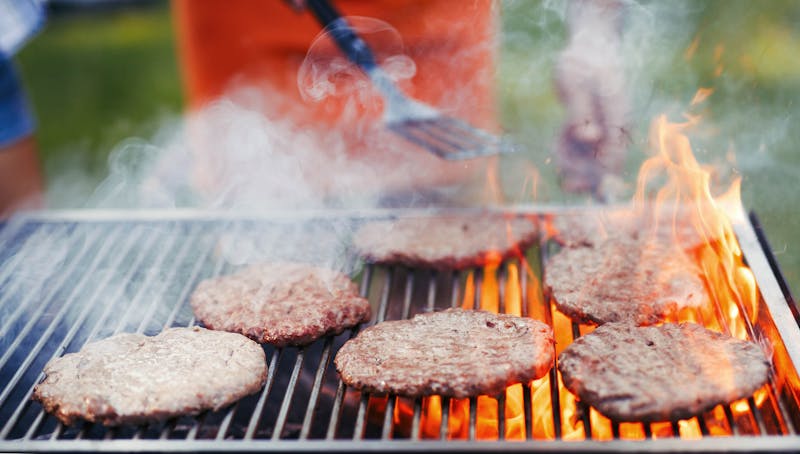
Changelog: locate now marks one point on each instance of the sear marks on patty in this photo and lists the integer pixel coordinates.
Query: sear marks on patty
(456, 353)
(666, 226)
(134, 379)
(445, 241)
(623, 281)
(660, 373)
(280, 303)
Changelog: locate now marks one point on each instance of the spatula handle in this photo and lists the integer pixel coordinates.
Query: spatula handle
(342, 33)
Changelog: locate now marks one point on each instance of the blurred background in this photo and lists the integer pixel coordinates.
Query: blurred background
(102, 72)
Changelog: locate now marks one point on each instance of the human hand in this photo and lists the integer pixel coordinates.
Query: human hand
(591, 85)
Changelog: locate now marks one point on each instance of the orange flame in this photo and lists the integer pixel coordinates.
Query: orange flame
(692, 48)
(681, 184)
(701, 95)
(486, 423)
(684, 189)
(688, 187)
(492, 183)
(719, 51)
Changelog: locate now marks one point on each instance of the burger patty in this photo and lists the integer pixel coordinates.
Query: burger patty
(660, 373)
(445, 241)
(280, 303)
(457, 353)
(133, 379)
(665, 226)
(623, 281)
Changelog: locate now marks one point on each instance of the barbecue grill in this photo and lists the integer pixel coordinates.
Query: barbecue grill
(67, 278)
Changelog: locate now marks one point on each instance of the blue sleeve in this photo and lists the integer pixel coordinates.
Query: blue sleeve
(19, 21)
(16, 117)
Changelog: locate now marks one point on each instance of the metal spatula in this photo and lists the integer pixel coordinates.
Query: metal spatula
(447, 137)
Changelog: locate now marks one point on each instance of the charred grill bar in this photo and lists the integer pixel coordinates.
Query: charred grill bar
(67, 279)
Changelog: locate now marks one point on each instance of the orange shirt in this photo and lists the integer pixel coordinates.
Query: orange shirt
(227, 44)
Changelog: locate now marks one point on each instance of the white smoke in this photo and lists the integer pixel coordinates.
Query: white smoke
(245, 153)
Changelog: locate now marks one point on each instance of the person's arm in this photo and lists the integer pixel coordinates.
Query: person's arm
(21, 183)
(20, 176)
(591, 84)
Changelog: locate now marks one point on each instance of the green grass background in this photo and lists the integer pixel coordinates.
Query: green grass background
(96, 79)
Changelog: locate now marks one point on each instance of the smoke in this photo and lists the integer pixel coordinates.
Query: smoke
(326, 73)
(669, 50)
(225, 156)
(245, 152)
(253, 156)
(33, 265)
(258, 151)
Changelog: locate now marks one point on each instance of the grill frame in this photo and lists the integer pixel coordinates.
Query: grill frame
(775, 297)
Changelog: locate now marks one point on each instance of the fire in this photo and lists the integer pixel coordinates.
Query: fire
(683, 191)
(701, 95)
(487, 426)
(692, 48)
(688, 188)
(734, 295)
(486, 423)
(719, 51)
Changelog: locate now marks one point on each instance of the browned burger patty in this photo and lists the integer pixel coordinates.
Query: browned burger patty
(280, 303)
(660, 373)
(445, 241)
(592, 227)
(457, 353)
(623, 281)
(133, 379)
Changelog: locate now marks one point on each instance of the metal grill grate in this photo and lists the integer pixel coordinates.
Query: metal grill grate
(64, 283)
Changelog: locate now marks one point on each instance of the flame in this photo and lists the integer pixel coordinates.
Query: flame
(701, 95)
(490, 296)
(692, 49)
(681, 183)
(530, 185)
(543, 422)
(661, 430)
(690, 429)
(718, 423)
(601, 426)
(487, 427)
(732, 287)
(688, 187)
(719, 51)
(492, 183)
(631, 431)
(486, 423)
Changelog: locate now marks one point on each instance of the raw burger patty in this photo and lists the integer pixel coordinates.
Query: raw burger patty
(623, 280)
(457, 353)
(133, 379)
(660, 373)
(592, 227)
(280, 303)
(445, 241)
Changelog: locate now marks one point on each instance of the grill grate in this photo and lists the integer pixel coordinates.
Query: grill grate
(64, 283)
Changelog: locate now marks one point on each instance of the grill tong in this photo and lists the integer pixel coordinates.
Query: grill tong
(419, 123)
